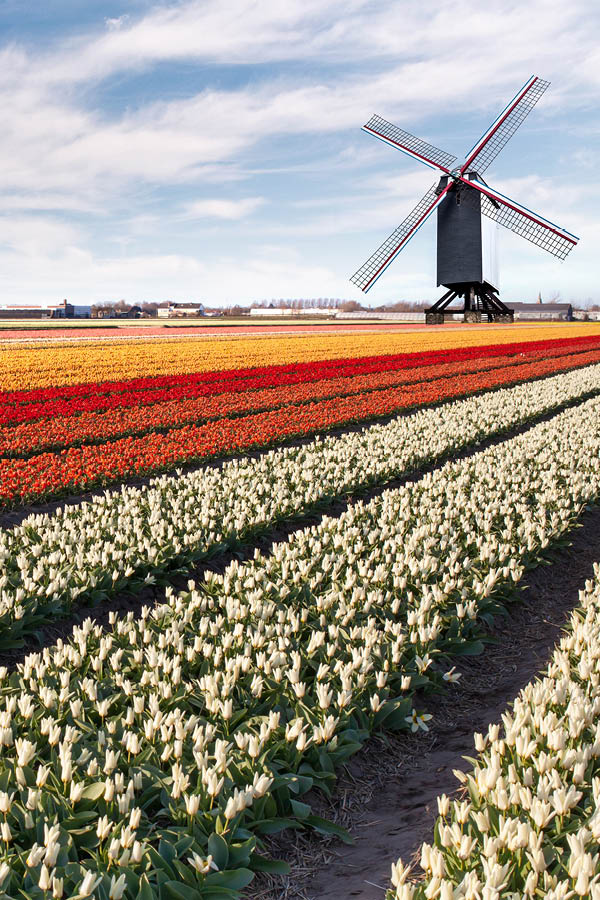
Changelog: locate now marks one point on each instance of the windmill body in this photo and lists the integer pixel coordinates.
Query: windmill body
(466, 240)
(467, 254)
(469, 212)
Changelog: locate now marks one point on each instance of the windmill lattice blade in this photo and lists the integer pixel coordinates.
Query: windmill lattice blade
(370, 271)
(500, 132)
(526, 224)
(408, 143)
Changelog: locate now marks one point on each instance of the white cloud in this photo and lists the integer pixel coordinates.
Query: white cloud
(218, 208)
(123, 167)
(117, 23)
(418, 74)
(245, 32)
(84, 278)
(34, 236)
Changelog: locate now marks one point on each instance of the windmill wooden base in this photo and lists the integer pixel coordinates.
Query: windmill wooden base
(481, 304)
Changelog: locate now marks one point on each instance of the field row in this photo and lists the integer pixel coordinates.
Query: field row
(529, 824)
(157, 753)
(122, 539)
(92, 396)
(28, 368)
(78, 468)
(51, 434)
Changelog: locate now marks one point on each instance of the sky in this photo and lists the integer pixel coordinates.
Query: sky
(212, 151)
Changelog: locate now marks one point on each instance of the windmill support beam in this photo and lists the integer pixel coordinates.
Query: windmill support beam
(481, 304)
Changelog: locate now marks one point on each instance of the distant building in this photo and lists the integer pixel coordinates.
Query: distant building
(62, 310)
(270, 311)
(543, 311)
(373, 315)
(180, 310)
(593, 315)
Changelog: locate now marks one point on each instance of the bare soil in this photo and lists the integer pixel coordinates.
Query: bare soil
(386, 796)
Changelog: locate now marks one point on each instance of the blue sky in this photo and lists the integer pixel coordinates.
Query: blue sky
(209, 150)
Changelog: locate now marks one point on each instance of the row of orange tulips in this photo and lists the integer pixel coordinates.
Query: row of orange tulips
(78, 468)
(99, 427)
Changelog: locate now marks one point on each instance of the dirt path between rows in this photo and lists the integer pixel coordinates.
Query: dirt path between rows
(387, 795)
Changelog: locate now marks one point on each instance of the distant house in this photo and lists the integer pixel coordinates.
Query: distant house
(118, 312)
(543, 311)
(129, 312)
(181, 310)
(593, 315)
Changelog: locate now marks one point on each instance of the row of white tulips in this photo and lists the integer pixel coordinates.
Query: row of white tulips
(143, 762)
(120, 539)
(529, 822)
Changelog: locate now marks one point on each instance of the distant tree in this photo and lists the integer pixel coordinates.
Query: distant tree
(351, 306)
(404, 306)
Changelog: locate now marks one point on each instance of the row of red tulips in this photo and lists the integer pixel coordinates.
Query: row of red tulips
(78, 468)
(315, 370)
(100, 427)
(189, 386)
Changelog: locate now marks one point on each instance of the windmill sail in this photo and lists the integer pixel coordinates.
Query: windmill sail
(502, 129)
(526, 224)
(466, 263)
(409, 144)
(370, 271)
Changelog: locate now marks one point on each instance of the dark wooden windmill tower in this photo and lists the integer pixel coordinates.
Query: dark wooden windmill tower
(469, 212)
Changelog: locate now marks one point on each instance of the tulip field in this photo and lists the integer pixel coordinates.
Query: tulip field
(64, 438)
(529, 825)
(419, 476)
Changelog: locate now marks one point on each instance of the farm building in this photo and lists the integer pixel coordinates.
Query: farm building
(41, 311)
(64, 310)
(179, 310)
(270, 311)
(543, 311)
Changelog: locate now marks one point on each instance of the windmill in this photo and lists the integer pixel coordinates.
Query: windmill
(469, 211)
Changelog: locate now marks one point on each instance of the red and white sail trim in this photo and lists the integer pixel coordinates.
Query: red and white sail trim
(502, 129)
(376, 265)
(407, 143)
(525, 222)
